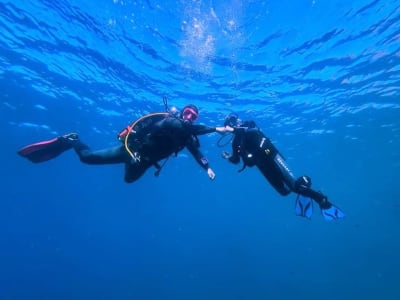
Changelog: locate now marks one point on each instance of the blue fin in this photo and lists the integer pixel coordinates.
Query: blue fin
(332, 213)
(304, 206)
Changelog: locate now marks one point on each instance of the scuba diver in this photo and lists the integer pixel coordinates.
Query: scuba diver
(149, 140)
(255, 149)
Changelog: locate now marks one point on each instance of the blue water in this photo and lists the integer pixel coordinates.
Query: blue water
(321, 78)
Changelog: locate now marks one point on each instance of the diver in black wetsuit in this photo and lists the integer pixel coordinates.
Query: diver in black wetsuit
(170, 134)
(167, 137)
(255, 149)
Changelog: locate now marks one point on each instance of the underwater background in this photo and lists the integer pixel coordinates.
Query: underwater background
(322, 80)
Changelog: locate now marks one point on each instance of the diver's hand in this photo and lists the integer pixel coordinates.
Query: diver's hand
(220, 129)
(210, 173)
(224, 129)
(225, 154)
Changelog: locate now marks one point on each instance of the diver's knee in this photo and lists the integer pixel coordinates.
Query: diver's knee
(132, 176)
(128, 179)
(284, 191)
(281, 187)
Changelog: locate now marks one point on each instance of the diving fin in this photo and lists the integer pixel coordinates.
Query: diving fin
(49, 149)
(332, 213)
(304, 206)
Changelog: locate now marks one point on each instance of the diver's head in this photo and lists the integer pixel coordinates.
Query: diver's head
(174, 111)
(190, 113)
(232, 120)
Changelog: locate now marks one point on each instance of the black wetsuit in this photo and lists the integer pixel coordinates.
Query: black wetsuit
(256, 149)
(167, 137)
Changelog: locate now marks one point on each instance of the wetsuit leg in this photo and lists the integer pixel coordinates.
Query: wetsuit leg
(273, 167)
(318, 197)
(274, 176)
(113, 155)
(134, 171)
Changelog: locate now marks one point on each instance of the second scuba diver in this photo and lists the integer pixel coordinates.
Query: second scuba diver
(255, 149)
